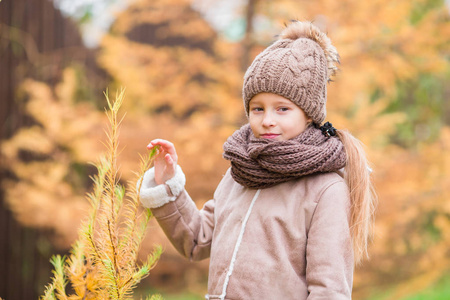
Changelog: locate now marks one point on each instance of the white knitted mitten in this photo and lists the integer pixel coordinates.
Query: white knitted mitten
(153, 195)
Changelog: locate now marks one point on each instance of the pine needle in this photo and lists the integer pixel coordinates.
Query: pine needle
(59, 276)
(103, 261)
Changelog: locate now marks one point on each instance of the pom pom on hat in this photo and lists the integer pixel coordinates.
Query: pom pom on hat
(297, 66)
(296, 30)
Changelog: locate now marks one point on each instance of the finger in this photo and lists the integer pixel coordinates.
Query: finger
(169, 159)
(166, 145)
(157, 142)
(152, 144)
(159, 155)
(171, 165)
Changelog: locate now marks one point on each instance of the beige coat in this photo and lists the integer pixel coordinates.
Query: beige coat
(294, 244)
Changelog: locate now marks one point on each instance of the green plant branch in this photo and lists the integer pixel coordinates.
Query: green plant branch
(103, 261)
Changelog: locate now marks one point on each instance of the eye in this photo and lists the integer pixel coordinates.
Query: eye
(283, 108)
(257, 109)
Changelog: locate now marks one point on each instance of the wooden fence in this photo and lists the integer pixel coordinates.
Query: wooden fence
(36, 41)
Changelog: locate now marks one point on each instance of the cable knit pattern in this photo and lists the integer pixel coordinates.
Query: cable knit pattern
(262, 163)
(153, 195)
(297, 67)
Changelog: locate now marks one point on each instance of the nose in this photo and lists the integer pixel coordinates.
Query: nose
(268, 120)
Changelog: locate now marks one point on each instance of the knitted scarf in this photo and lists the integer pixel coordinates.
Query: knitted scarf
(262, 163)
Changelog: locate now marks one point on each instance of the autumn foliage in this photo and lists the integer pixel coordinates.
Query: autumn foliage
(183, 81)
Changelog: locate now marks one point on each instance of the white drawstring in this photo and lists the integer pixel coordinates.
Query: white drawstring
(236, 248)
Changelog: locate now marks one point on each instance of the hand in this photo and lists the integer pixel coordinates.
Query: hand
(165, 160)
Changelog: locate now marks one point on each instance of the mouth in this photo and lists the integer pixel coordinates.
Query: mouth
(269, 135)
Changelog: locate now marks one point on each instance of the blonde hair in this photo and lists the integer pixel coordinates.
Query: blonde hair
(363, 198)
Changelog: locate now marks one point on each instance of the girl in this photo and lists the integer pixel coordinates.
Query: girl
(294, 211)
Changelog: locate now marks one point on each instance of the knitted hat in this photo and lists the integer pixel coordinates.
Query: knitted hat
(297, 66)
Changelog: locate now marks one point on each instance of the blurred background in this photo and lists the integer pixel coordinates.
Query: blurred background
(182, 64)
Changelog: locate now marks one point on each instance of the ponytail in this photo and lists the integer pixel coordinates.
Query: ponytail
(362, 194)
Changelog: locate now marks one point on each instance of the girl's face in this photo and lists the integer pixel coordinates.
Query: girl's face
(272, 116)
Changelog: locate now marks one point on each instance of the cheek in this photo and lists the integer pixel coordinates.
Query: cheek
(299, 128)
(303, 125)
(297, 125)
(253, 125)
(303, 120)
